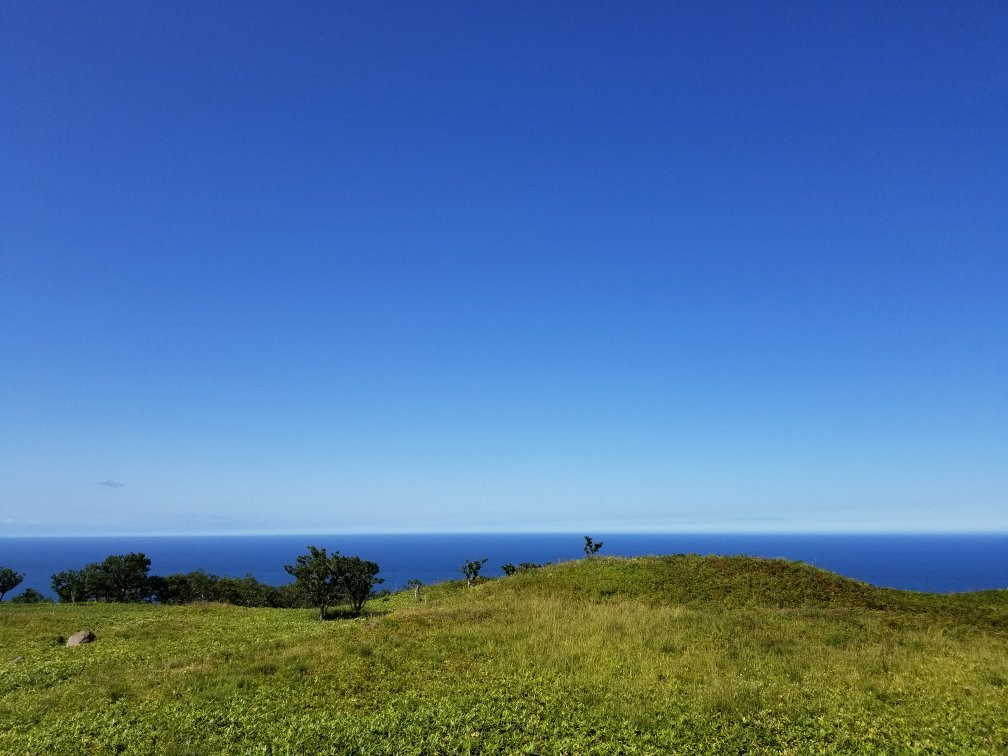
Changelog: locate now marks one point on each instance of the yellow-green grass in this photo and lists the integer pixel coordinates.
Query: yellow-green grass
(677, 654)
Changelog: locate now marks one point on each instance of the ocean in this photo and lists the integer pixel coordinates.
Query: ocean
(939, 563)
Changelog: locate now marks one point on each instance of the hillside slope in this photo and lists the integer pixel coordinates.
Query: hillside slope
(679, 654)
(738, 581)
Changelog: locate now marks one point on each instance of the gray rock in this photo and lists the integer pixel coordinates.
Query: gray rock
(84, 636)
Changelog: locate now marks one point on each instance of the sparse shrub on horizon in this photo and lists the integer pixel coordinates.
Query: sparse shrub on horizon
(471, 570)
(591, 547)
(512, 569)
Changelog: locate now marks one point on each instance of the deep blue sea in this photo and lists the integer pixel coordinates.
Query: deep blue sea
(941, 563)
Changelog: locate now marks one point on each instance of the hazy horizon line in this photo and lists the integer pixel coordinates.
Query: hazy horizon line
(579, 533)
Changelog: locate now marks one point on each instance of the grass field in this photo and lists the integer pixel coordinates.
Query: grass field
(679, 654)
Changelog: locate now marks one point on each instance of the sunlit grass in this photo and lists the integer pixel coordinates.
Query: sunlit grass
(685, 655)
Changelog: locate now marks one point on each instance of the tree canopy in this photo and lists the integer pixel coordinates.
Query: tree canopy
(9, 580)
(120, 577)
(327, 579)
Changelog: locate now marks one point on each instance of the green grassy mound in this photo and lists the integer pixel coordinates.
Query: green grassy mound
(680, 654)
(739, 581)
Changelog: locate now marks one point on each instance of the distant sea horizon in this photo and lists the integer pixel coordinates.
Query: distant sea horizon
(941, 563)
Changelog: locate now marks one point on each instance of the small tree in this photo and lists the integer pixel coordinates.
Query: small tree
(591, 547)
(509, 569)
(357, 580)
(318, 575)
(471, 570)
(9, 580)
(69, 586)
(415, 585)
(120, 578)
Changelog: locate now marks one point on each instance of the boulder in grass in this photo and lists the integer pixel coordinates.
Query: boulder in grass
(84, 636)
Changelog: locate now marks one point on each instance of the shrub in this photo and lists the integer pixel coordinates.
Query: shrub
(591, 547)
(29, 596)
(511, 569)
(471, 570)
(358, 577)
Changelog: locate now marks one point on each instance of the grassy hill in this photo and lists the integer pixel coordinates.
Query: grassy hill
(680, 654)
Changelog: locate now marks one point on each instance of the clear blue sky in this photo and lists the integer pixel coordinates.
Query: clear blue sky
(503, 266)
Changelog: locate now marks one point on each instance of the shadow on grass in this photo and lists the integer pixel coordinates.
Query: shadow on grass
(345, 614)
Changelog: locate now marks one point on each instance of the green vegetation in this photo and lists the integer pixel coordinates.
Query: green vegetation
(415, 584)
(29, 596)
(9, 580)
(513, 569)
(591, 548)
(120, 577)
(326, 579)
(471, 570)
(126, 578)
(199, 586)
(680, 654)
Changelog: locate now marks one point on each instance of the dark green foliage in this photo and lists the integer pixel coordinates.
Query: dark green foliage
(70, 586)
(512, 569)
(591, 547)
(327, 579)
(123, 578)
(187, 588)
(201, 587)
(9, 580)
(291, 596)
(357, 579)
(120, 578)
(29, 596)
(471, 570)
(247, 591)
(317, 574)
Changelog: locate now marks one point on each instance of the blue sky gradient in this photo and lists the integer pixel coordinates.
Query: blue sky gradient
(460, 266)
